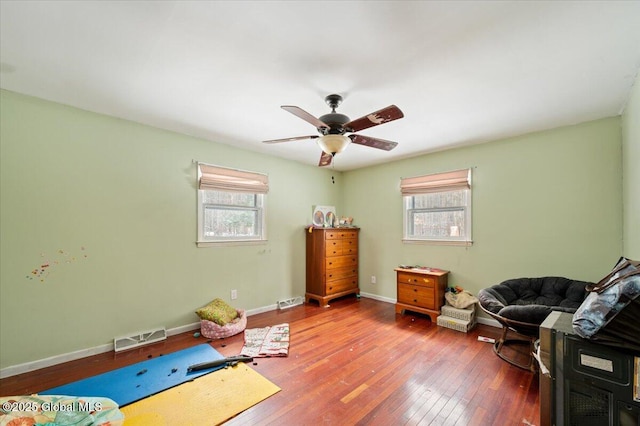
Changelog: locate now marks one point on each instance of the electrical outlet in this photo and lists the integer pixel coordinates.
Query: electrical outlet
(373, 279)
(234, 294)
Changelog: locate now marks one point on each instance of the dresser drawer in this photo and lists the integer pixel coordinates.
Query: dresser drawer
(336, 235)
(341, 262)
(342, 285)
(416, 295)
(350, 246)
(341, 247)
(333, 248)
(337, 274)
(416, 279)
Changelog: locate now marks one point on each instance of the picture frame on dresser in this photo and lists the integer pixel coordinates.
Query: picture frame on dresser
(324, 216)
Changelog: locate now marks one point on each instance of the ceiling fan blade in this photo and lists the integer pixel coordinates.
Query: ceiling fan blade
(373, 142)
(299, 112)
(325, 159)
(382, 116)
(295, 138)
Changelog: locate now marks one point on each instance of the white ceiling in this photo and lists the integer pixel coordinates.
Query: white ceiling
(462, 72)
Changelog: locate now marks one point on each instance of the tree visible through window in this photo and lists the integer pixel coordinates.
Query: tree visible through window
(438, 207)
(231, 215)
(230, 205)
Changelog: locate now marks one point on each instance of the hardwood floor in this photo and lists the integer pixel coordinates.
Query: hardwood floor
(354, 363)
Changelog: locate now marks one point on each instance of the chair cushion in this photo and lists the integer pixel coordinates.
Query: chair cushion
(531, 300)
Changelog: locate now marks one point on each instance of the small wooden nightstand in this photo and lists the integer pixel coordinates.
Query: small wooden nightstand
(421, 290)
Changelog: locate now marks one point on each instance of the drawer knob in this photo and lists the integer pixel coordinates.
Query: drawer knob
(415, 300)
(415, 290)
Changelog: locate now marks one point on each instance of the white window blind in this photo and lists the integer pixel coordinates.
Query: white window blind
(224, 179)
(438, 182)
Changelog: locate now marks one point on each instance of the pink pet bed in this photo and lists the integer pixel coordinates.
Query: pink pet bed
(211, 330)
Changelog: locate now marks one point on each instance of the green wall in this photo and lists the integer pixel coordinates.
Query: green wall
(631, 173)
(76, 184)
(546, 203)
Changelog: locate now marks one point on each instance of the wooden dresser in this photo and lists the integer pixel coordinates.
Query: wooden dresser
(332, 263)
(421, 290)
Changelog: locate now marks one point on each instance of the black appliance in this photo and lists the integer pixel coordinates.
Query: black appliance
(588, 384)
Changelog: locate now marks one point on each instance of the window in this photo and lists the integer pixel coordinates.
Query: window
(437, 208)
(230, 205)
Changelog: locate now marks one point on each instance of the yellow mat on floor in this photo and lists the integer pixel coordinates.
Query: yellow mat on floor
(210, 399)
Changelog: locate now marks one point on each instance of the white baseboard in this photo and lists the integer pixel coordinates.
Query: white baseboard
(489, 321)
(261, 310)
(378, 297)
(57, 359)
(28, 367)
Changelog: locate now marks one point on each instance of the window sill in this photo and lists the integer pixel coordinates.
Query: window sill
(439, 242)
(230, 243)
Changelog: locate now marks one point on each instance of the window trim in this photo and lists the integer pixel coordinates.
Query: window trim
(240, 181)
(432, 183)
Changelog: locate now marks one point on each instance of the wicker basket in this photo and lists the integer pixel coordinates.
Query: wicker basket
(211, 330)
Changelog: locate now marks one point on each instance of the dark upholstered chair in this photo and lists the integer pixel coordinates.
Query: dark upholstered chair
(520, 305)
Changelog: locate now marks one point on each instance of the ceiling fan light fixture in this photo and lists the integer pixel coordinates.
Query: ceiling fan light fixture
(333, 144)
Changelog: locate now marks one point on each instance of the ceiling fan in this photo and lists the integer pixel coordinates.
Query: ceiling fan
(333, 126)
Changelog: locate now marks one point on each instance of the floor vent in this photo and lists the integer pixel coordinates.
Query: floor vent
(139, 339)
(288, 303)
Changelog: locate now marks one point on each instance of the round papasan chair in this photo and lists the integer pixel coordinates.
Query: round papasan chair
(520, 305)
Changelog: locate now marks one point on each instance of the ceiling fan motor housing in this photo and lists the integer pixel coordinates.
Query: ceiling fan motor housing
(336, 122)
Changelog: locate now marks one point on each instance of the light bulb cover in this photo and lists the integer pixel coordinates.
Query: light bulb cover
(333, 144)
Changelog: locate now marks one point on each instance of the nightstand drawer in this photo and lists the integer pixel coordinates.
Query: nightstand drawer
(416, 295)
(415, 279)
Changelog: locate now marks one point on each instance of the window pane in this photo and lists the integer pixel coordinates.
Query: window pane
(229, 198)
(440, 199)
(222, 222)
(438, 224)
(438, 216)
